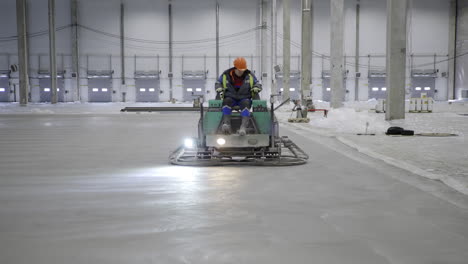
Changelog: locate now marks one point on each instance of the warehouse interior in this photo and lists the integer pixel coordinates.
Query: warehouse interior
(113, 147)
(146, 51)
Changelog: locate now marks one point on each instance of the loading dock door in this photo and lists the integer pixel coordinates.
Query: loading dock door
(100, 90)
(147, 90)
(294, 87)
(193, 88)
(326, 89)
(4, 90)
(377, 88)
(45, 87)
(422, 85)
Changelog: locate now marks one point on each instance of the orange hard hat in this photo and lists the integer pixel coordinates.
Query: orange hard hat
(240, 63)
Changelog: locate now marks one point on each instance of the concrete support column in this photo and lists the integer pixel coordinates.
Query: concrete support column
(264, 49)
(356, 55)
(461, 63)
(273, 55)
(122, 41)
(306, 50)
(452, 50)
(217, 39)
(21, 20)
(75, 49)
(286, 47)
(396, 58)
(52, 52)
(336, 52)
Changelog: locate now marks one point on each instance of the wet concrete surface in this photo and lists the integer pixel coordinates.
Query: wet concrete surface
(99, 189)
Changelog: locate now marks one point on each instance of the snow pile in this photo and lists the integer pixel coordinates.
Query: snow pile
(451, 106)
(349, 120)
(435, 158)
(319, 104)
(6, 107)
(446, 168)
(362, 105)
(81, 108)
(358, 105)
(433, 123)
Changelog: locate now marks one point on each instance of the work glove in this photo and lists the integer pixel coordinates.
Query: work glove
(256, 89)
(218, 87)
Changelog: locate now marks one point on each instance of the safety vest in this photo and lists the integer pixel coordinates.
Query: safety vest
(251, 81)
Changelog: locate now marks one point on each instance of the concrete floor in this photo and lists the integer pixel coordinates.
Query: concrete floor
(84, 188)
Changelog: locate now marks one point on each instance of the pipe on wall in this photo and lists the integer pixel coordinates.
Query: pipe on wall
(122, 41)
(286, 47)
(217, 39)
(170, 52)
(52, 52)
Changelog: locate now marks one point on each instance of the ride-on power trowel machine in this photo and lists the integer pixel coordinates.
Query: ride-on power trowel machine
(260, 146)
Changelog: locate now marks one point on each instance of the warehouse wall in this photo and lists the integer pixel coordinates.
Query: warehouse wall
(7, 31)
(426, 19)
(146, 23)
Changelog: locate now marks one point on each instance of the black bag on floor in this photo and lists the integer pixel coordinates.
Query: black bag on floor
(394, 131)
(407, 133)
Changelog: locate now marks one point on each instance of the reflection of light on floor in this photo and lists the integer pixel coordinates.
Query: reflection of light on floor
(184, 180)
(179, 179)
(162, 171)
(178, 172)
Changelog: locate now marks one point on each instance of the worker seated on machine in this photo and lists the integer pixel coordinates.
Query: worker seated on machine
(236, 87)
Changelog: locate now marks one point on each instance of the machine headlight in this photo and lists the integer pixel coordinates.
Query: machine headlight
(189, 143)
(221, 141)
